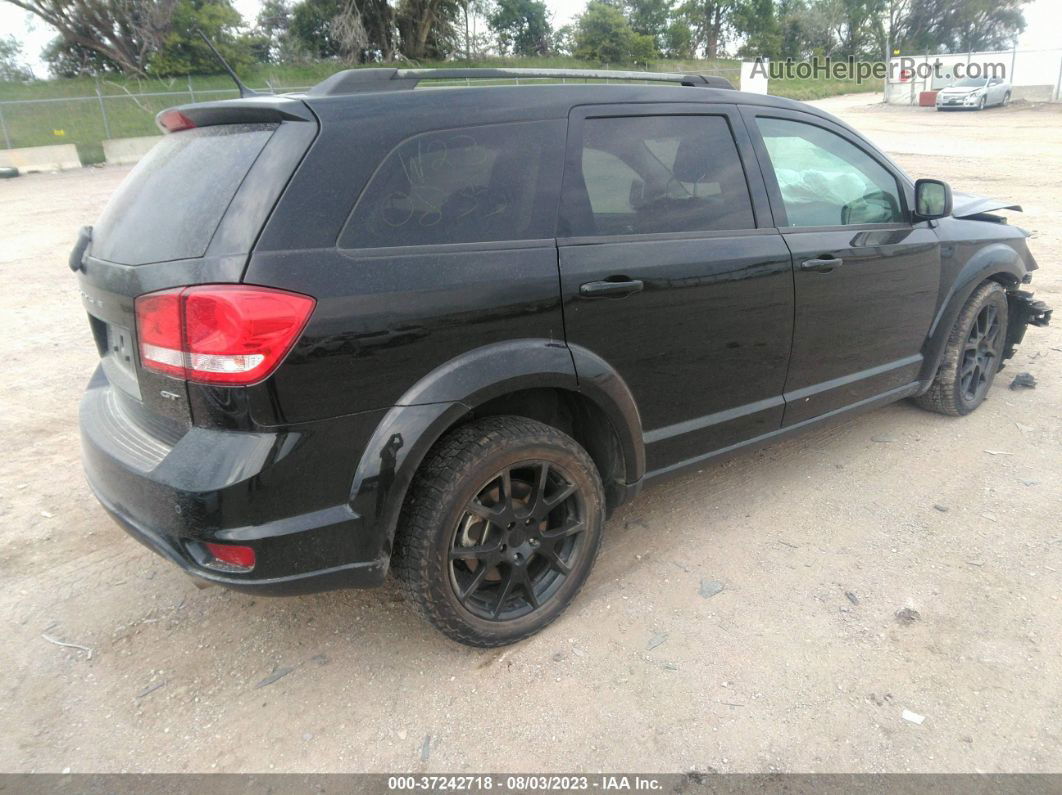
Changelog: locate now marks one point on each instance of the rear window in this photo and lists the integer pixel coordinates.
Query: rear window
(495, 182)
(171, 204)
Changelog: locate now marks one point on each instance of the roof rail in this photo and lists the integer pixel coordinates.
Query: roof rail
(354, 81)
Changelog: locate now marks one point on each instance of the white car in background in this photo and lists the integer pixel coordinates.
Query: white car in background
(974, 93)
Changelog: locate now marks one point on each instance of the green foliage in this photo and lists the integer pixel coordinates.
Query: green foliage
(651, 18)
(603, 34)
(12, 67)
(522, 27)
(311, 28)
(184, 52)
(273, 31)
(949, 26)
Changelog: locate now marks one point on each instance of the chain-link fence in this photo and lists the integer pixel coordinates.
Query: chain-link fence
(87, 121)
(114, 111)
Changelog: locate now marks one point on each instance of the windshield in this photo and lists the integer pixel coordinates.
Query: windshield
(172, 202)
(971, 82)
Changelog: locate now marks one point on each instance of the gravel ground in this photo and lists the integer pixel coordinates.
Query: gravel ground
(798, 663)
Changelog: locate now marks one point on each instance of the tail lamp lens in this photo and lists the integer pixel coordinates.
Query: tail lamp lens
(232, 556)
(219, 334)
(173, 120)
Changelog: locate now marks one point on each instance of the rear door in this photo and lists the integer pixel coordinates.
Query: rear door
(866, 277)
(671, 272)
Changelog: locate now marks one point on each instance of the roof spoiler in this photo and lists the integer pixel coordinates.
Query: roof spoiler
(259, 109)
(356, 81)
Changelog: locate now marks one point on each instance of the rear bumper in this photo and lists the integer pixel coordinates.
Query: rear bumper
(286, 494)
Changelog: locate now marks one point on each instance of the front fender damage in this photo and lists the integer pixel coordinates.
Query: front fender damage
(1024, 311)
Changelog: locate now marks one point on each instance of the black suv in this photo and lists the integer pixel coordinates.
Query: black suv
(447, 331)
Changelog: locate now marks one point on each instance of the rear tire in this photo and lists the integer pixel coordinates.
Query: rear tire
(1006, 99)
(973, 355)
(500, 530)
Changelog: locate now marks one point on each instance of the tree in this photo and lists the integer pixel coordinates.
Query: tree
(273, 28)
(522, 27)
(678, 40)
(709, 22)
(183, 50)
(426, 28)
(311, 28)
(12, 67)
(603, 34)
(757, 23)
(123, 32)
(937, 26)
(651, 18)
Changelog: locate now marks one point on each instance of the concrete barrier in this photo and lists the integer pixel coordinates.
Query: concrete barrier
(124, 151)
(40, 158)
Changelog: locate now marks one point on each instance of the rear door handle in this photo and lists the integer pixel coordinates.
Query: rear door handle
(822, 264)
(611, 289)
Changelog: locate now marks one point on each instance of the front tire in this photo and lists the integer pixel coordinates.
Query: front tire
(500, 530)
(973, 355)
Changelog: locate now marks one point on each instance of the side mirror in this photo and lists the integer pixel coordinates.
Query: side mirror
(932, 199)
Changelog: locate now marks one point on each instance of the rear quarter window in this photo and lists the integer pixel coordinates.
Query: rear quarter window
(170, 205)
(468, 185)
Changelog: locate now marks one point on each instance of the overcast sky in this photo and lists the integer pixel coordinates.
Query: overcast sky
(1043, 30)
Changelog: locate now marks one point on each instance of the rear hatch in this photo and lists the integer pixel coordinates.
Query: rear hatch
(189, 213)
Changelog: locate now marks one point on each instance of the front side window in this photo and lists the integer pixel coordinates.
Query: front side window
(825, 180)
(467, 185)
(654, 174)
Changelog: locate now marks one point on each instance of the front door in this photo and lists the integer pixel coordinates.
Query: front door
(671, 272)
(866, 278)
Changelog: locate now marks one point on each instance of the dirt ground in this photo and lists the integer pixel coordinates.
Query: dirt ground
(799, 664)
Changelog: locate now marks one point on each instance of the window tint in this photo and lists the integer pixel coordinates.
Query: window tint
(825, 180)
(647, 174)
(461, 186)
(172, 202)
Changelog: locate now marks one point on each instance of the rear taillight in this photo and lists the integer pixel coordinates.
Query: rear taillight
(219, 334)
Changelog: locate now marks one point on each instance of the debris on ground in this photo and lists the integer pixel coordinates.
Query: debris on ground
(908, 616)
(656, 640)
(998, 452)
(279, 673)
(710, 588)
(66, 645)
(913, 717)
(883, 439)
(852, 597)
(1023, 381)
(941, 508)
(150, 689)
(425, 748)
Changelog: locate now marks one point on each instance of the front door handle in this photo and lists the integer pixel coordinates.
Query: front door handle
(821, 264)
(611, 289)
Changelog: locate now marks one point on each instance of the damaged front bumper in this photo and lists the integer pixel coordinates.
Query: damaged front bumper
(1025, 311)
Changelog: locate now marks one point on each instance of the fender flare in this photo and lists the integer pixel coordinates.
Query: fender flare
(449, 392)
(993, 260)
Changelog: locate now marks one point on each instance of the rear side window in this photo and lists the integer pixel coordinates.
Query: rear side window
(495, 182)
(651, 174)
(171, 204)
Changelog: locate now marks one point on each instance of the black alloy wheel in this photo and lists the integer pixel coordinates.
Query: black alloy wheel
(500, 529)
(517, 541)
(981, 355)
